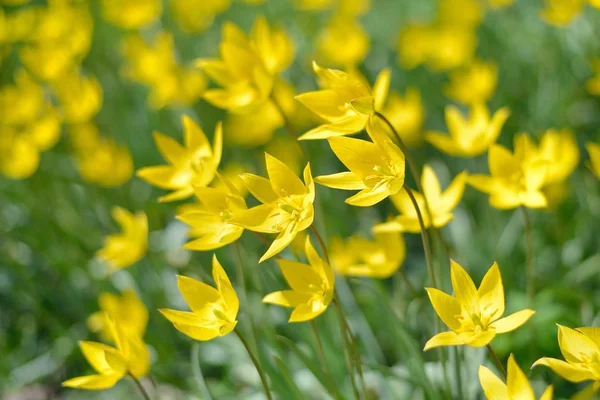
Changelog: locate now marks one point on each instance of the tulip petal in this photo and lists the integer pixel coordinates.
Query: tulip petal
(493, 387)
(180, 194)
(196, 294)
(548, 393)
(342, 180)
(453, 194)
(464, 288)
(517, 382)
(431, 187)
(449, 338)
(505, 200)
(513, 321)
(286, 298)
(346, 126)
(591, 333)
(446, 306)
(301, 277)
(163, 176)
(491, 292)
(368, 197)
(501, 162)
(478, 339)
(198, 332)
(93, 382)
(225, 288)
(281, 242)
(570, 372)
(95, 354)
(171, 151)
(259, 187)
(283, 180)
(534, 199)
(324, 103)
(574, 343)
(444, 143)
(381, 88)
(306, 312)
(359, 156)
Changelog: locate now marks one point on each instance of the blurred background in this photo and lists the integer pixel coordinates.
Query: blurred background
(85, 83)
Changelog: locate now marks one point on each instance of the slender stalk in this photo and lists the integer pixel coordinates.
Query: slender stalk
(263, 239)
(197, 371)
(457, 370)
(288, 126)
(323, 360)
(259, 369)
(244, 291)
(346, 348)
(529, 258)
(321, 243)
(145, 394)
(496, 360)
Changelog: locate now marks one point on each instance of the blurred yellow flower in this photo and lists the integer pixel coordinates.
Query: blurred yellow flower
(379, 258)
(593, 84)
(497, 4)
(193, 164)
(194, 16)
(472, 314)
(214, 311)
(594, 153)
(312, 286)
(560, 150)
(517, 387)
(22, 102)
(124, 249)
(581, 349)
(406, 114)
(44, 132)
(131, 14)
(183, 86)
(287, 204)
(376, 168)
(210, 220)
(349, 8)
(345, 102)
(127, 310)
(473, 84)
(255, 128)
(561, 12)
(469, 137)
(19, 157)
(464, 13)
(516, 179)
(130, 357)
(248, 65)
(79, 97)
(441, 204)
(343, 42)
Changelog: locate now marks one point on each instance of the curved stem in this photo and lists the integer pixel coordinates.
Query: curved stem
(323, 360)
(263, 239)
(529, 258)
(347, 346)
(496, 360)
(244, 291)
(259, 369)
(288, 126)
(145, 394)
(321, 243)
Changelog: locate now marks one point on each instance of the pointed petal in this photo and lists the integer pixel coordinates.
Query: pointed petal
(95, 354)
(493, 387)
(483, 183)
(431, 187)
(281, 242)
(163, 176)
(592, 333)
(453, 194)
(464, 288)
(93, 382)
(381, 88)
(359, 156)
(517, 382)
(286, 298)
(180, 194)
(324, 103)
(342, 180)
(346, 126)
(306, 312)
(283, 180)
(491, 293)
(171, 151)
(368, 197)
(301, 277)
(570, 372)
(259, 187)
(501, 162)
(574, 343)
(513, 321)
(444, 143)
(225, 288)
(196, 294)
(198, 332)
(217, 150)
(478, 339)
(446, 306)
(443, 339)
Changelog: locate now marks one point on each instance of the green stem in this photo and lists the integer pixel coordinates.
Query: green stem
(321, 243)
(323, 360)
(259, 369)
(458, 377)
(529, 258)
(145, 394)
(496, 360)
(346, 347)
(244, 292)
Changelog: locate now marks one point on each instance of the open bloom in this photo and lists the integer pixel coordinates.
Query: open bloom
(472, 314)
(287, 204)
(345, 102)
(406, 114)
(440, 204)
(80, 97)
(376, 168)
(127, 310)
(129, 357)
(343, 42)
(193, 164)
(517, 387)
(379, 258)
(594, 152)
(311, 286)
(581, 349)
(210, 220)
(473, 84)
(214, 310)
(515, 179)
(560, 150)
(126, 248)
(469, 137)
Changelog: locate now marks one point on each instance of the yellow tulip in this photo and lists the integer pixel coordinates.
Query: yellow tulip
(210, 220)
(127, 310)
(312, 286)
(193, 164)
(130, 357)
(593, 84)
(581, 349)
(182, 86)
(22, 102)
(131, 14)
(44, 132)
(343, 42)
(516, 179)
(473, 84)
(517, 387)
(19, 156)
(345, 102)
(440, 204)
(469, 137)
(284, 148)
(104, 162)
(379, 258)
(594, 152)
(124, 249)
(213, 311)
(406, 114)
(150, 61)
(463, 13)
(561, 12)
(194, 16)
(255, 128)
(287, 204)
(472, 314)
(560, 150)
(80, 97)
(376, 168)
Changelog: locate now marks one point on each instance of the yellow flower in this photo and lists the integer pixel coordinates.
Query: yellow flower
(214, 311)
(560, 150)
(440, 204)
(593, 84)
(516, 179)
(517, 387)
(248, 65)
(131, 14)
(22, 102)
(129, 357)
(284, 148)
(406, 115)
(344, 101)
(581, 349)
(414, 45)
(473, 84)
(80, 97)
(594, 152)
(561, 12)
(311, 284)
(194, 16)
(193, 164)
(464, 13)
(472, 314)
(124, 249)
(343, 42)
(497, 4)
(127, 310)
(287, 204)
(255, 128)
(376, 168)
(210, 220)
(469, 137)
(19, 156)
(379, 258)
(44, 132)
(182, 86)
